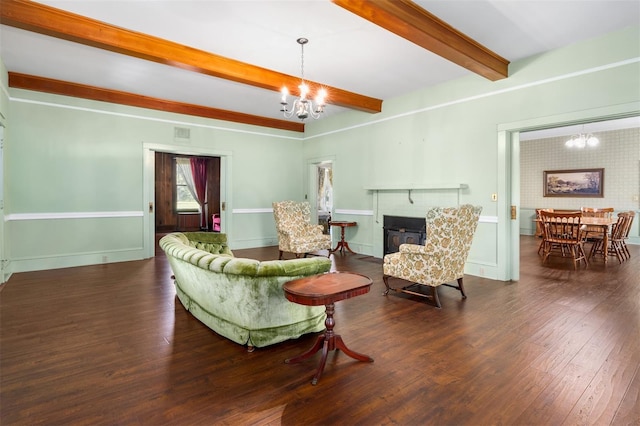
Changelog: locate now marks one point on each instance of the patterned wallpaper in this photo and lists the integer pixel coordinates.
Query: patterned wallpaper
(618, 153)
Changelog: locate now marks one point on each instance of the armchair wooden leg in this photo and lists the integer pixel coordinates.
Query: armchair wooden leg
(434, 295)
(385, 278)
(461, 288)
(409, 290)
(280, 257)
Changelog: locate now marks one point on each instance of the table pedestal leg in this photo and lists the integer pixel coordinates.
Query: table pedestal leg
(342, 244)
(328, 341)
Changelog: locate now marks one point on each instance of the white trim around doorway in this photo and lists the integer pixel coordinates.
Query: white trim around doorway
(148, 198)
(508, 268)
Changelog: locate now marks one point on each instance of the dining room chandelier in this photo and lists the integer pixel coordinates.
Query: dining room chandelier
(303, 107)
(582, 140)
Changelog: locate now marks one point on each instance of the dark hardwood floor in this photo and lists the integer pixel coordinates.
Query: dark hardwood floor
(110, 344)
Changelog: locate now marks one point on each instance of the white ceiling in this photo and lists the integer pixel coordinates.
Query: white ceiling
(344, 51)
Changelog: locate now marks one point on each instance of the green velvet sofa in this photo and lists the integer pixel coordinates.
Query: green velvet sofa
(241, 299)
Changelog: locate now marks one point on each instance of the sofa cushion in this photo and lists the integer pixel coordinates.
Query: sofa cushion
(211, 242)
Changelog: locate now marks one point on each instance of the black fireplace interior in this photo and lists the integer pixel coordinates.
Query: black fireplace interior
(402, 230)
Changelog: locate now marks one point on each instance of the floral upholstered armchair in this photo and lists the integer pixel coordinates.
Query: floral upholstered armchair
(441, 260)
(296, 233)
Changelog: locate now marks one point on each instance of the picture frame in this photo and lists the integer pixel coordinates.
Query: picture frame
(574, 183)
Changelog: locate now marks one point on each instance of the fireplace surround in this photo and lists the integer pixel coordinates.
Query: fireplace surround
(402, 230)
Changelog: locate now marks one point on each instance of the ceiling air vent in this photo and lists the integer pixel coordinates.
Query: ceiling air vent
(181, 134)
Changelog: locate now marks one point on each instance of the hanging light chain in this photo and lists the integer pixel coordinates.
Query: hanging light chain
(302, 42)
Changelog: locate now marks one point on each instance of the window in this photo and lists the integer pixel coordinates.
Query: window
(185, 200)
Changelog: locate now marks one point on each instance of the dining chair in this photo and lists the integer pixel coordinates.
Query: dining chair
(617, 243)
(539, 228)
(593, 233)
(563, 236)
(632, 215)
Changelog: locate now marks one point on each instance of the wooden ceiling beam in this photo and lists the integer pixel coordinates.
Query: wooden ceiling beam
(58, 23)
(410, 21)
(58, 87)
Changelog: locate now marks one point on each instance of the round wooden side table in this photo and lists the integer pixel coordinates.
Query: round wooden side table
(342, 244)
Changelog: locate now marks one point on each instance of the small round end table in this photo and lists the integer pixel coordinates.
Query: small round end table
(342, 244)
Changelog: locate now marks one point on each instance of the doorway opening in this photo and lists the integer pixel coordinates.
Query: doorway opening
(149, 185)
(508, 260)
(324, 194)
(176, 201)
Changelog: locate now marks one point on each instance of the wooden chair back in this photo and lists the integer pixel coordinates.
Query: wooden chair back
(622, 227)
(563, 235)
(630, 215)
(625, 250)
(563, 227)
(592, 232)
(597, 212)
(539, 230)
(618, 234)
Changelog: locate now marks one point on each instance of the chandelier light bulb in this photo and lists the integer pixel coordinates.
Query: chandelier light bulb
(592, 141)
(320, 98)
(304, 91)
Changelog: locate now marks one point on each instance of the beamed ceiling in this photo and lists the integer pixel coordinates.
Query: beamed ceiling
(228, 60)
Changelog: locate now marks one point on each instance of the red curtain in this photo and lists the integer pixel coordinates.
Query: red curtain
(199, 172)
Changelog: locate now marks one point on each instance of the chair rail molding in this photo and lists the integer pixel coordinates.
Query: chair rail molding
(71, 215)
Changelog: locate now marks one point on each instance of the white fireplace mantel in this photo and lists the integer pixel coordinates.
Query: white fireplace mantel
(416, 186)
(409, 187)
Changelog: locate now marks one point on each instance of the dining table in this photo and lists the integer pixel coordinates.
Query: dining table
(604, 224)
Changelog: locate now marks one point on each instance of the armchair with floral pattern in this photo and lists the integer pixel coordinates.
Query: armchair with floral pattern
(441, 260)
(296, 233)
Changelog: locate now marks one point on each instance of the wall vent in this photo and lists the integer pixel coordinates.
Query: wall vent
(182, 134)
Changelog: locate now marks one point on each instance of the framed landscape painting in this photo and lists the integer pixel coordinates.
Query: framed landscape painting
(574, 183)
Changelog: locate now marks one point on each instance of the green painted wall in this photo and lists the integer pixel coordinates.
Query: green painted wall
(449, 133)
(68, 156)
(72, 157)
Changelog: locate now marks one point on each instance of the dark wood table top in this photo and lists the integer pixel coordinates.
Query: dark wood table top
(326, 288)
(342, 223)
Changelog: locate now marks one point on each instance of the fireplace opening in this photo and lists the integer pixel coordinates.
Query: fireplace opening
(402, 230)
